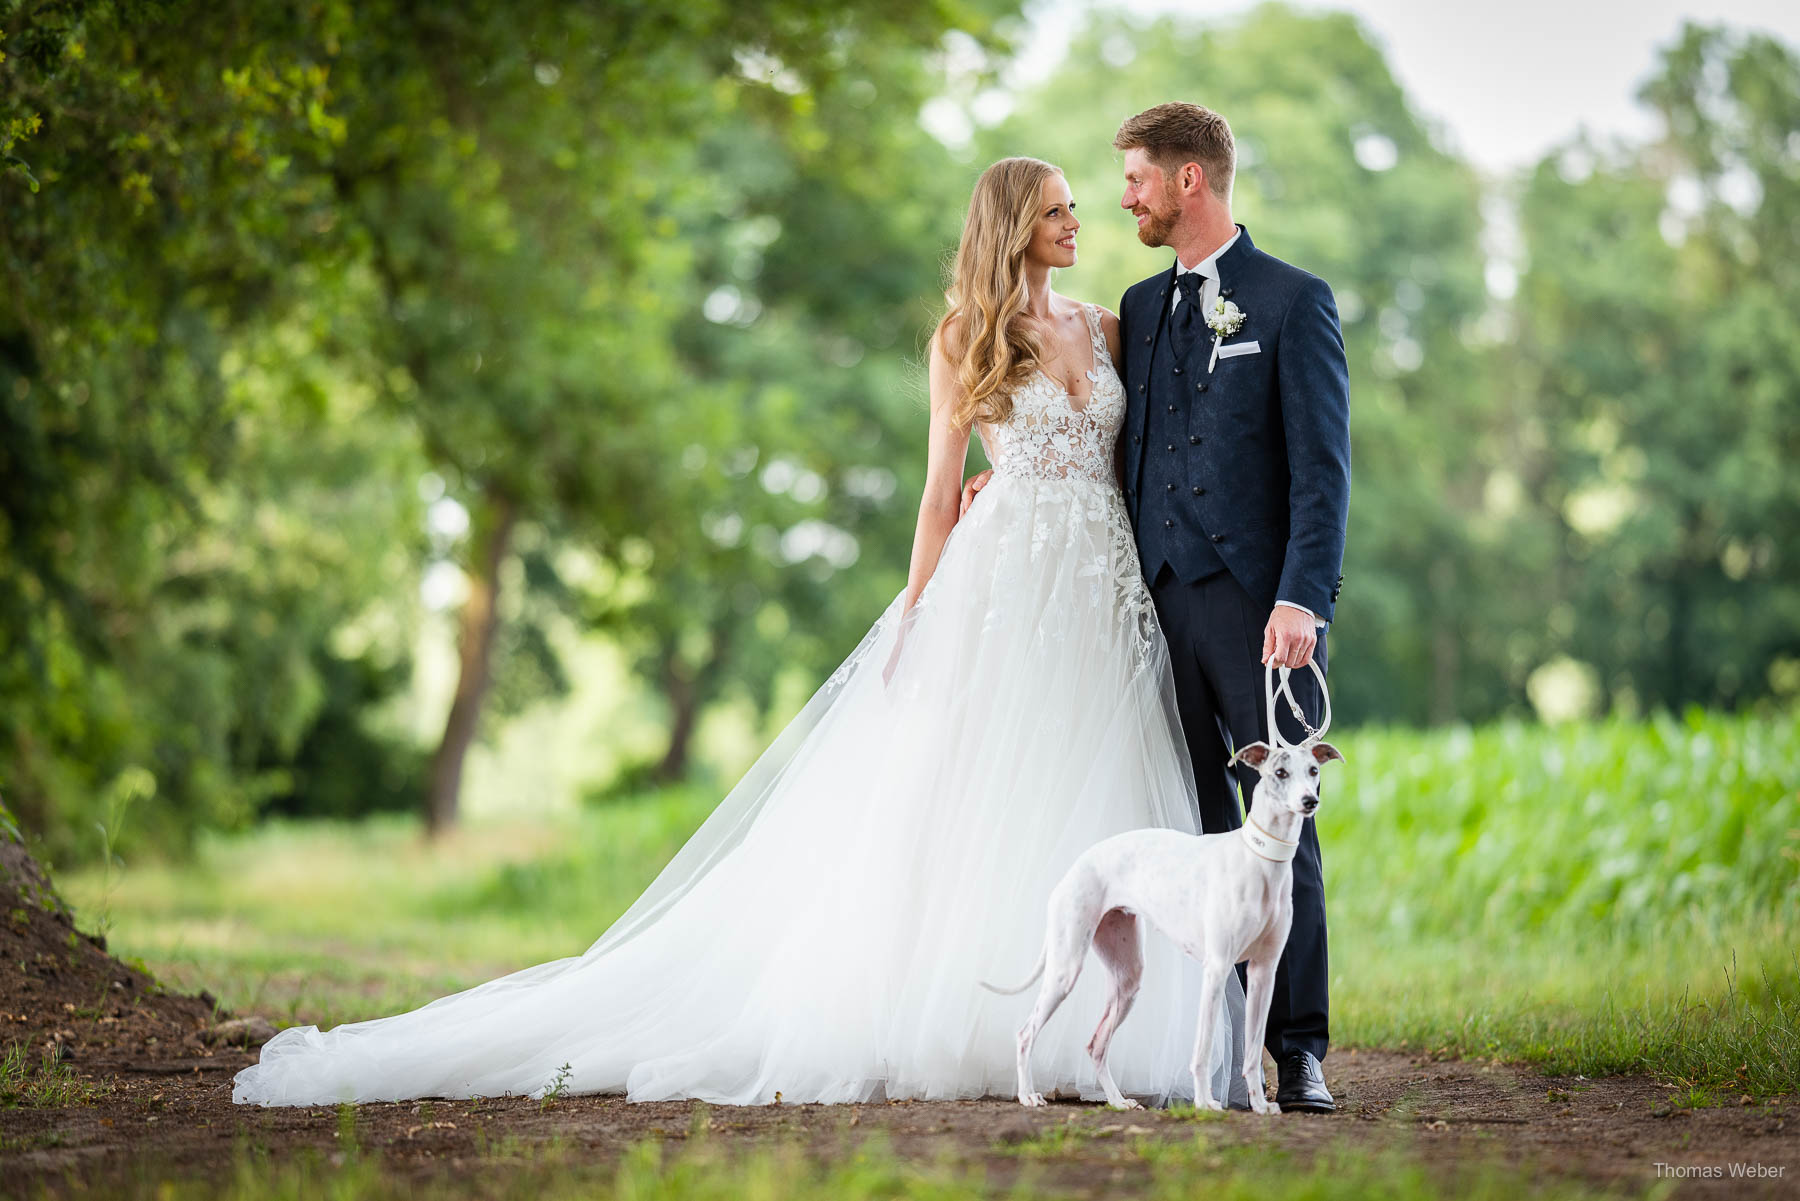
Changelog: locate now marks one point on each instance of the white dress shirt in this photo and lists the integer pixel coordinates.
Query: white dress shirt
(1208, 269)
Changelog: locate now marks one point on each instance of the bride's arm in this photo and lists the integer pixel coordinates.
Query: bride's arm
(947, 449)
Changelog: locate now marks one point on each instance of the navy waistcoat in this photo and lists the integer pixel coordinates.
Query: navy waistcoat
(1170, 528)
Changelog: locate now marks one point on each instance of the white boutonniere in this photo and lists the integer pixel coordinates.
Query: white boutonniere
(1224, 319)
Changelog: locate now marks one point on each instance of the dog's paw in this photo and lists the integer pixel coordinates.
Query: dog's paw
(1209, 1103)
(1128, 1103)
(1261, 1104)
(1032, 1100)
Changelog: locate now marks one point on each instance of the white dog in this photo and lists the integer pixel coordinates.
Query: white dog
(1221, 898)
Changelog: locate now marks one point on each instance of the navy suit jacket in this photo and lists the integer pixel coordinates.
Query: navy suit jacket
(1274, 456)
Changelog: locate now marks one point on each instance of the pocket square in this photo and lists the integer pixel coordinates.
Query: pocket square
(1231, 350)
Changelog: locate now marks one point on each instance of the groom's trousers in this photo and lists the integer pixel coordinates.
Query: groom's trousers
(1215, 635)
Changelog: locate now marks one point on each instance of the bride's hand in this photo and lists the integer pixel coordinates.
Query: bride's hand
(971, 486)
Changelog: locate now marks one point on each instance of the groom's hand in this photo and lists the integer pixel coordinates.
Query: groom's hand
(971, 486)
(1289, 637)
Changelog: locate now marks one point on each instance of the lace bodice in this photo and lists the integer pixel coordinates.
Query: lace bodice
(1047, 437)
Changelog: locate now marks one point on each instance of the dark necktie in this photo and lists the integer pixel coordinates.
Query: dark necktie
(1188, 322)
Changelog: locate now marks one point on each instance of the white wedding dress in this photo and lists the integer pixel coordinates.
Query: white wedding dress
(823, 935)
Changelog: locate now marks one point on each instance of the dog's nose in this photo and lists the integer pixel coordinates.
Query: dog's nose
(1310, 803)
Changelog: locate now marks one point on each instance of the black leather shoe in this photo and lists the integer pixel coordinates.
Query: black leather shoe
(1301, 1085)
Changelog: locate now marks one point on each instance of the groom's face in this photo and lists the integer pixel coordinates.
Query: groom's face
(1150, 198)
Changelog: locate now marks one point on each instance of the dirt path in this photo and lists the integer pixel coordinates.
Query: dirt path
(177, 1112)
(142, 1090)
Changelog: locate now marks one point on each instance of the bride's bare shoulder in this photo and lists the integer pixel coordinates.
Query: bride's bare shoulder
(1072, 307)
(1109, 329)
(947, 338)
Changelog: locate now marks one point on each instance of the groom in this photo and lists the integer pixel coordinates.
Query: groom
(1235, 457)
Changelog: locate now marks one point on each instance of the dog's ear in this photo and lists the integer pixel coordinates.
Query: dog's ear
(1254, 753)
(1324, 752)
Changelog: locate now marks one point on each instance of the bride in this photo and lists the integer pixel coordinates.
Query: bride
(822, 936)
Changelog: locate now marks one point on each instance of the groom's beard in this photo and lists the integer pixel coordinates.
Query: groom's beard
(1156, 230)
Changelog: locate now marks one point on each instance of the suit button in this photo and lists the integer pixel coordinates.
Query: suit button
(1168, 525)
(1218, 537)
(1177, 371)
(1200, 387)
(1146, 339)
(1199, 491)
(1140, 389)
(1171, 446)
(1135, 438)
(1171, 487)
(1171, 408)
(1193, 440)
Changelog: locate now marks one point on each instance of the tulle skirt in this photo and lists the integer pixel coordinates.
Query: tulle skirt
(823, 936)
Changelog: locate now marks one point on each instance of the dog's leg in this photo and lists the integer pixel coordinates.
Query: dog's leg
(1261, 973)
(1212, 988)
(1074, 912)
(1059, 981)
(1118, 944)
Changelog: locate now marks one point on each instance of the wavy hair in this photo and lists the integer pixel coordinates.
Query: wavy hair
(983, 332)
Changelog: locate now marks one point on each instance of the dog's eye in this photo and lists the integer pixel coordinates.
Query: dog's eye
(1281, 773)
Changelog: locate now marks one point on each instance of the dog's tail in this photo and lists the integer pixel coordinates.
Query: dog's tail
(1030, 980)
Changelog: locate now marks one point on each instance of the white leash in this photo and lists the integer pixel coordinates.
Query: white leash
(1262, 843)
(1286, 688)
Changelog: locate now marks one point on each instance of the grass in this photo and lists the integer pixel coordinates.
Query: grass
(336, 921)
(41, 1081)
(700, 1171)
(1594, 898)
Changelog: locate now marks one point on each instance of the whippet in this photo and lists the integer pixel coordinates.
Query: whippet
(1221, 898)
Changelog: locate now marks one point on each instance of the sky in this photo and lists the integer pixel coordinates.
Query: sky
(1506, 81)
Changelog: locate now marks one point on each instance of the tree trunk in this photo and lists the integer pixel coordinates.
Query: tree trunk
(1445, 659)
(688, 690)
(684, 710)
(480, 617)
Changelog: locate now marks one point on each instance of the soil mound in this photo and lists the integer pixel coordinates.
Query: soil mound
(62, 994)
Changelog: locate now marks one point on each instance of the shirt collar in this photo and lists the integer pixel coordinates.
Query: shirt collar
(1209, 266)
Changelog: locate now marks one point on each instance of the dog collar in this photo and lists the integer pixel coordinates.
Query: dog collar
(1265, 845)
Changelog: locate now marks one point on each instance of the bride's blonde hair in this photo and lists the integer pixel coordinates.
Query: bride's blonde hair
(984, 333)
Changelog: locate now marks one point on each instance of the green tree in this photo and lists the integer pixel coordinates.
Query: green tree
(780, 528)
(535, 186)
(172, 569)
(1661, 351)
(266, 270)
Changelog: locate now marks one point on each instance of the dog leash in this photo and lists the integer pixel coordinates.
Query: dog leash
(1286, 689)
(1262, 843)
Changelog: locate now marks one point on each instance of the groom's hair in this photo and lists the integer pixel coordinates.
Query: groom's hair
(1176, 133)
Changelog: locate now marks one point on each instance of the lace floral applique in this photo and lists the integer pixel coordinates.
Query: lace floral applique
(1051, 442)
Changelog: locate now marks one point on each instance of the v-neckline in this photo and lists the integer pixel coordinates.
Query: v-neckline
(1091, 374)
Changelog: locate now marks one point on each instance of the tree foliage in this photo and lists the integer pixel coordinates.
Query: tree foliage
(1660, 355)
(641, 289)
(269, 265)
